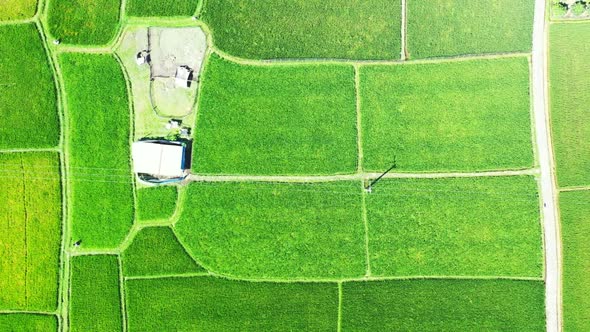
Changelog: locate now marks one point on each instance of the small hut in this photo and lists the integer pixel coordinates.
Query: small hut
(142, 57)
(184, 76)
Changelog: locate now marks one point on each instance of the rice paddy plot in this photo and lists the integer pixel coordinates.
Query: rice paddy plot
(569, 70)
(459, 116)
(159, 8)
(342, 29)
(575, 230)
(455, 226)
(98, 118)
(156, 203)
(210, 304)
(275, 230)
(28, 323)
(443, 305)
(461, 27)
(28, 100)
(30, 219)
(17, 9)
(84, 22)
(95, 303)
(275, 120)
(156, 251)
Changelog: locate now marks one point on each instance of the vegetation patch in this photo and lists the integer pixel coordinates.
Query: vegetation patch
(459, 116)
(95, 303)
(28, 101)
(156, 203)
(17, 10)
(28, 323)
(85, 22)
(276, 230)
(276, 120)
(469, 27)
(159, 8)
(100, 173)
(342, 29)
(461, 227)
(443, 305)
(30, 219)
(210, 304)
(569, 70)
(156, 251)
(575, 231)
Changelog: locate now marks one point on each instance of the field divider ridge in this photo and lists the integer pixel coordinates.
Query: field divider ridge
(404, 30)
(359, 130)
(576, 188)
(29, 312)
(366, 229)
(339, 326)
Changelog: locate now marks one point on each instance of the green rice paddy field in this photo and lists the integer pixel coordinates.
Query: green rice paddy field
(28, 323)
(158, 8)
(156, 203)
(17, 9)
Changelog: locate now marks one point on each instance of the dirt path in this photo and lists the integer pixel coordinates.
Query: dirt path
(550, 226)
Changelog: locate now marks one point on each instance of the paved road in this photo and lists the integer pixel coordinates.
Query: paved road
(540, 107)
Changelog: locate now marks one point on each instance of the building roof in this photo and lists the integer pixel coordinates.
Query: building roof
(158, 159)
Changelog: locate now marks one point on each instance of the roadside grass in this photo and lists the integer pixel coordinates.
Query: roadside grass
(156, 203)
(30, 219)
(158, 8)
(99, 166)
(84, 22)
(17, 10)
(28, 323)
(569, 70)
(275, 230)
(458, 226)
(468, 27)
(156, 251)
(461, 116)
(341, 29)
(443, 305)
(95, 303)
(210, 304)
(28, 99)
(275, 120)
(575, 231)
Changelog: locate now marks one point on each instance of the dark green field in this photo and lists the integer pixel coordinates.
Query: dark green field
(161, 7)
(28, 323)
(210, 304)
(156, 203)
(98, 140)
(26, 87)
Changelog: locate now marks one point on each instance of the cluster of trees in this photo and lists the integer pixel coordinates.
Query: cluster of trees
(571, 8)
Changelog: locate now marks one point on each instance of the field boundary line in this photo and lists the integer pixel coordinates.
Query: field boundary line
(180, 200)
(54, 149)
(32, 19)
(28, 312)
(90, 252)
(404, 30)
(339, 326)
(359, 130)
(172, 275)
(366, 229)
(576, 188)
(26, 219)
(122, 294)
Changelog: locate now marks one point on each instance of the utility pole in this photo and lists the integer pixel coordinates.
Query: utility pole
(369, 188)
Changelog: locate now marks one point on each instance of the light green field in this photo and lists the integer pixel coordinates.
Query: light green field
(274, 230)
(275, 120)
(98, 140)
(342, 29)
(156, 251)
(17, 9)
(569, 72)
(575, 231)
(161, 7)
(457, 227)
(443, 305)
(84, 22)
(460, 116)
(30, 220)
(457, 27)
(156, 203)
(95, 303)
(210, 304)
(26, 88)
(28, 323)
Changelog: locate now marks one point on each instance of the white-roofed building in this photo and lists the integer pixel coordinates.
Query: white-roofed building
(159, 159)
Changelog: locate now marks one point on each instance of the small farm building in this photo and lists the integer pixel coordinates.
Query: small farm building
(184, 76)
(159, 158)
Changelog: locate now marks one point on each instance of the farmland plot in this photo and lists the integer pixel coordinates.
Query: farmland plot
(95, 303)
(30, 219)
(210, 304)
(460, 116)
(460, 27)
(156, 251)
(156, 203)
(458, 227)
(343, 29)
(84, 22)
(275, 120)
(161, 7)
(26, 87)
(443, 305)
(28, 323)
(575, 228)
(100, 173)
(17, 9)
(569, 71)
(266, 230)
